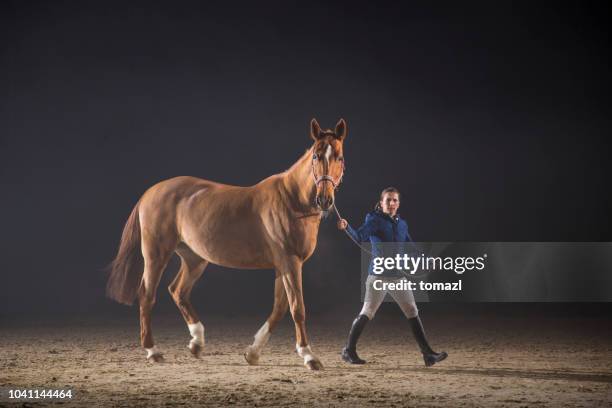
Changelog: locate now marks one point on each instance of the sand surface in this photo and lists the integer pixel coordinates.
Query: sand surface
(493, 363)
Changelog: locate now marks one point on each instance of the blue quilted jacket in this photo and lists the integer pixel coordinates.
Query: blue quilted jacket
(382, 228)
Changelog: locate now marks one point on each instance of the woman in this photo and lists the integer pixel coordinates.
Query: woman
(381, 226)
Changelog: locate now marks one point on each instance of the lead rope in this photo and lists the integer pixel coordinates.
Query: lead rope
(349, 235)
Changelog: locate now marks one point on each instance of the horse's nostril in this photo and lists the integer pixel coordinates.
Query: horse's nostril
(324, 202)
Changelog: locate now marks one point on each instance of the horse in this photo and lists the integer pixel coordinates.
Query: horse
(270, 225)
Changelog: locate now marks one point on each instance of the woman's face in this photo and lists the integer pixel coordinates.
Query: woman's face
(390, 203)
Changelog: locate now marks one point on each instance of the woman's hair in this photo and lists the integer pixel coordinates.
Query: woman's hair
(382, 194)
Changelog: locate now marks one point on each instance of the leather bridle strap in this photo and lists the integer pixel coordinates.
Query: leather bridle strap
(326, 177)
(319, 179)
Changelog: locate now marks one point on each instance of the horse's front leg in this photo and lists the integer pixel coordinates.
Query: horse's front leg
(291, 274)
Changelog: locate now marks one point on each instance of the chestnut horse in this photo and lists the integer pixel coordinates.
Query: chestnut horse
(272, 224)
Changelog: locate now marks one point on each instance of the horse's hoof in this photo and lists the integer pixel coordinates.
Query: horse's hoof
(196, 349)
(155, 358)
(251, 357)
(314, 365)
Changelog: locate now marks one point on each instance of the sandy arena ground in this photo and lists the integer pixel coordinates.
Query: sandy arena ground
(493, 363)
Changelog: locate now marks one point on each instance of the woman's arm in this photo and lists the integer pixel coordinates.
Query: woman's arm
(363, 233)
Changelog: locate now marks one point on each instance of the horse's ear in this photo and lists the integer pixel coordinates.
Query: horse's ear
(315, 129)
(341, 129)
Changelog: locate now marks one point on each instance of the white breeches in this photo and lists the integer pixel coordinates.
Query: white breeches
(374, 298)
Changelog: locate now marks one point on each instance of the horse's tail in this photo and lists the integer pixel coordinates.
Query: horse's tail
(127, 268)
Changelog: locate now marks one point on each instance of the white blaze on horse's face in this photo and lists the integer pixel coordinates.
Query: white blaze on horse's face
(328, 154)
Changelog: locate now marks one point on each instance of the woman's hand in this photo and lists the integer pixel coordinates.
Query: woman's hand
(342, 224)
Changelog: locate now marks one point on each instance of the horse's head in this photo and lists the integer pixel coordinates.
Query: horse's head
(327, 161)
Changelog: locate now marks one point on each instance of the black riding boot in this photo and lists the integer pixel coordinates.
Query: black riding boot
(349, 353)
(430, 356)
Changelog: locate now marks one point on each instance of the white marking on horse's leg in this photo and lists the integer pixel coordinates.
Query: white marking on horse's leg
(153, 351)
(261, 339)
(197, 334)
(305, 352)
(310, 360)
(262, 336)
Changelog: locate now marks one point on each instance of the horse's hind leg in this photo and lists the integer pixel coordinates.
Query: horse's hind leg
(192, 267)
(253, 352)
(156, 256)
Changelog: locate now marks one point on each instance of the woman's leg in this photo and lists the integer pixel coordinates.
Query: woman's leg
(405, 300)
(349, 353)
(372, 301)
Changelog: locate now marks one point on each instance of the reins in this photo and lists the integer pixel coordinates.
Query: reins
(363, 248)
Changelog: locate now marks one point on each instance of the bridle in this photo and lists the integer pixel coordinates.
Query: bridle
(319, 179)
(325, 177)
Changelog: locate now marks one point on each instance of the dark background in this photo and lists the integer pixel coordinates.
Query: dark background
(491, 118)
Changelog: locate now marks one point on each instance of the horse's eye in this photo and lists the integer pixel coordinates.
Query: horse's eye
(341, 158)
(315, 157)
